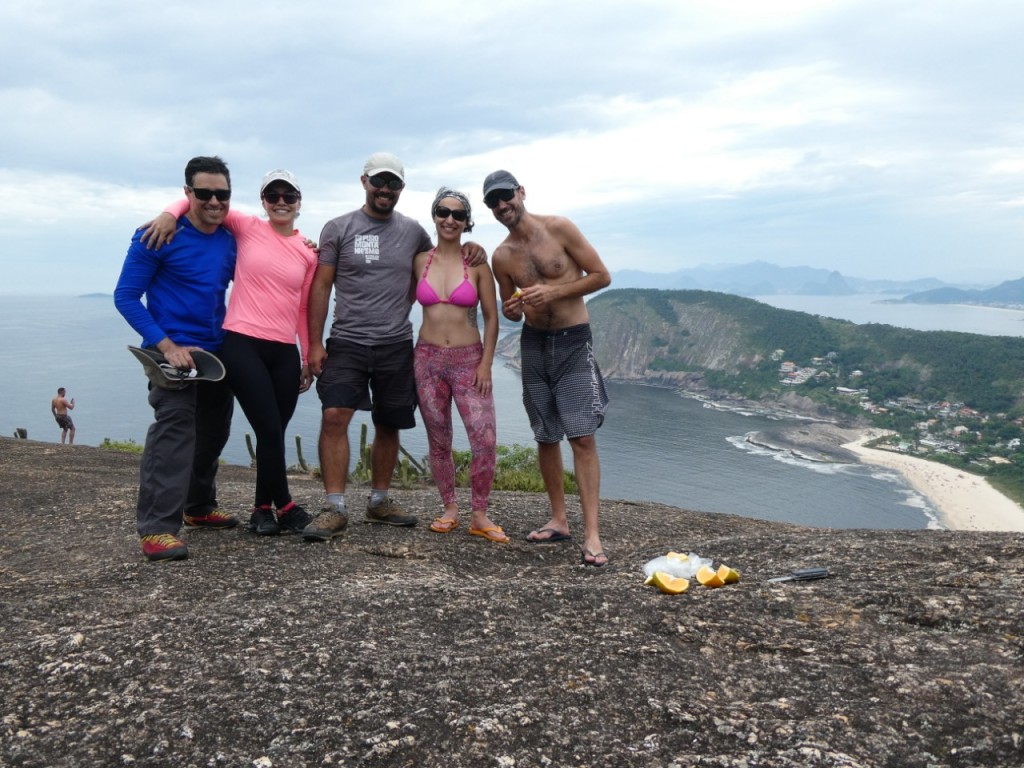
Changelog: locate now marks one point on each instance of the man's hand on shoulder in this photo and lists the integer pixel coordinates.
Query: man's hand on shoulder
(474, 254)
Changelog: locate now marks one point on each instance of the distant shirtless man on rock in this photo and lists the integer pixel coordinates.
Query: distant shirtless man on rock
(59, 407)
(544, 269)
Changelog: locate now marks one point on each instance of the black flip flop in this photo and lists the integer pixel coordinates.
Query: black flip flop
(555, 536)
(585, 553)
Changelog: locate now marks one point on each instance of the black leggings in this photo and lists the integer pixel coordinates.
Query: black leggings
(264, 375)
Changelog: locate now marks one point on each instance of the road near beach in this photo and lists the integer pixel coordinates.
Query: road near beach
(965, 502)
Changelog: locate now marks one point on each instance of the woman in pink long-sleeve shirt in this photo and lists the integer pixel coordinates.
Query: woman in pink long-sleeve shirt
(267, 313)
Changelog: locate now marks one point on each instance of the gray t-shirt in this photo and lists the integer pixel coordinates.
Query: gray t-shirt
(373, 262)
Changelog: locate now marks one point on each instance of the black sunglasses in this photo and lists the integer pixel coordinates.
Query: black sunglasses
(443, 213)
(504, 195)
(291, 198)
(379, 181)
(222, 195)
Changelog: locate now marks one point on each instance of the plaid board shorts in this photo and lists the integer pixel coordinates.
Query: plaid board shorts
(563, 391)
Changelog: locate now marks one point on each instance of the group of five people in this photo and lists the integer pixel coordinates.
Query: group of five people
(270, 336)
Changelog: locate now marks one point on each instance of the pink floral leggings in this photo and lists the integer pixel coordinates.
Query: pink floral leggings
(444, 374)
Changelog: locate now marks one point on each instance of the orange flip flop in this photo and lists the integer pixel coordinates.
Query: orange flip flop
(491, 533)
(444, 525)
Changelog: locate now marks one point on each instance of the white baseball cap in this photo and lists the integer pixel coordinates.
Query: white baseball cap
(280, 175)
(384, 162)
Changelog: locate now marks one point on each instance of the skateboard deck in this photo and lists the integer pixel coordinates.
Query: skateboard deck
(163, 374)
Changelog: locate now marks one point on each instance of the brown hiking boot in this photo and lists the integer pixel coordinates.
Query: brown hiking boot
(389, 513)
(329, 523)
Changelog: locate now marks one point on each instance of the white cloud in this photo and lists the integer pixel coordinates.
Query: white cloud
(819, 133)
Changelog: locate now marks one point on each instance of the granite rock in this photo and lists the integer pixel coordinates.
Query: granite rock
(402, 647)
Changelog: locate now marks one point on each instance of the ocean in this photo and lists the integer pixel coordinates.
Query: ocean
(655, 445)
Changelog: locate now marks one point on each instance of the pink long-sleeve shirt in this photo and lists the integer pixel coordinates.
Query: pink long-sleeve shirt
(273, 274)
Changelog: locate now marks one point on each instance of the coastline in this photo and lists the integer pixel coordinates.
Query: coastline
(964, 502)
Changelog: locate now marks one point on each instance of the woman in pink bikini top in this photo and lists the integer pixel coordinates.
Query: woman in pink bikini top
(453, 363)
(464, 294)
(450, 290)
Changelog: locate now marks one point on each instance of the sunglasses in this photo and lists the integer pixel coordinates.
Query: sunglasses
(379, 181)
(443, 213)
(504, 195)
(291, 198)
(222, 195)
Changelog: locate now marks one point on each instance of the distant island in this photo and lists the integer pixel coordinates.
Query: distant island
(1006, 295)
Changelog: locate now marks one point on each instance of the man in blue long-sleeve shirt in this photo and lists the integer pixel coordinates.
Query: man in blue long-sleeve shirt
(184, 284)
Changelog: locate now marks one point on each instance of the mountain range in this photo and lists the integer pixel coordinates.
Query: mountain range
(760, 278)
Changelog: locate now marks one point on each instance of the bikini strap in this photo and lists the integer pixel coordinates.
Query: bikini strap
(430, 260)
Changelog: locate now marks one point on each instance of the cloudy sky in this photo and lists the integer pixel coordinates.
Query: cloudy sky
(882, 138)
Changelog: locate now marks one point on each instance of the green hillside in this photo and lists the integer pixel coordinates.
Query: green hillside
(738, 344)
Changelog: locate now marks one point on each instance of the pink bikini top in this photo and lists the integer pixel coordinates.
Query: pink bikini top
(464, 294)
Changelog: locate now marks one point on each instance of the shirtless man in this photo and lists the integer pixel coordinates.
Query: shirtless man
(544, 269)
(59, 407)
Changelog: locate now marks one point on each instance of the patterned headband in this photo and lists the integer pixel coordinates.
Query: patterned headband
(444, 192)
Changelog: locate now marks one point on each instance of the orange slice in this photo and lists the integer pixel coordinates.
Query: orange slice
(669, 584)
(709, 577)
(728, 575)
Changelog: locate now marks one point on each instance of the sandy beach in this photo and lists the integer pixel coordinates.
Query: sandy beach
(964, 502)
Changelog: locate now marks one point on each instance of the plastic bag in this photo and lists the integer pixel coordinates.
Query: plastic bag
(682, 566)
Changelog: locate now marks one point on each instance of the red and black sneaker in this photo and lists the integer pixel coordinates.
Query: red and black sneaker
(215, 518)
(163, 546)
(293, 519)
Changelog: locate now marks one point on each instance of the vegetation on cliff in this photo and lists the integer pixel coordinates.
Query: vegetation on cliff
(642, 333)
(948, 396)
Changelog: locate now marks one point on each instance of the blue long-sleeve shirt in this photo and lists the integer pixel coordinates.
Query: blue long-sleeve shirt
(184, 283)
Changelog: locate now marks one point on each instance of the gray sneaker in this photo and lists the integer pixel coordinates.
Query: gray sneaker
(329, 523)
(389, 513)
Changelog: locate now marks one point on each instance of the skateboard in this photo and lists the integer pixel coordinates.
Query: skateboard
(163, 374)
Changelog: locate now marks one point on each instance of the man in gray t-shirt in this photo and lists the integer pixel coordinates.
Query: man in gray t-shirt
(366, 256)
(371, 259)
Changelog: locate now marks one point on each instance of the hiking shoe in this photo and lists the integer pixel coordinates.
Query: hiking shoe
(329, 523)
(215, 518)
(294, 520)
(389, 513)
(163, 546)
(263, 523)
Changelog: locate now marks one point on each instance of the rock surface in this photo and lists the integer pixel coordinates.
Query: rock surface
(394, 647)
